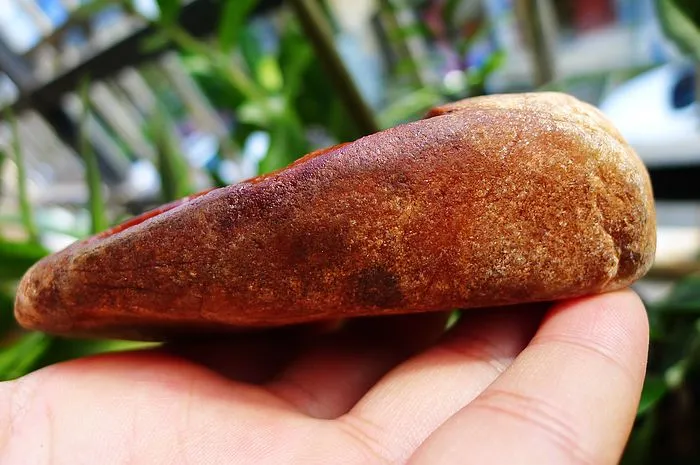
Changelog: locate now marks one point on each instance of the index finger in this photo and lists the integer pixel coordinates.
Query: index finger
(569, 398)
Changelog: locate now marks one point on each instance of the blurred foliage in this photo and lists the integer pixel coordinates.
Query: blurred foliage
(25, 205)
(98, 215)
(23, 355)
(680, 20)
(172, 166)
(16, 258)
(669, 412)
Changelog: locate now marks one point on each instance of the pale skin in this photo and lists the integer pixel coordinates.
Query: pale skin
(552, 385)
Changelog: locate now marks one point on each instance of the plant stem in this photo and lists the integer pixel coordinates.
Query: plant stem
(25, 205)
(172, 166)
(92, 171)
(539, 38)
(318, 30)
(397, 24)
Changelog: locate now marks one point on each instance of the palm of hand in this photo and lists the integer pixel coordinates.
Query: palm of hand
(502, 386)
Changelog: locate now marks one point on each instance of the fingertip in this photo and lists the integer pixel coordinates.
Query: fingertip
(615, 323)
(624, 302)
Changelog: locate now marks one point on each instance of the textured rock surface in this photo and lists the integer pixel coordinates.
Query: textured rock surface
(491, 200)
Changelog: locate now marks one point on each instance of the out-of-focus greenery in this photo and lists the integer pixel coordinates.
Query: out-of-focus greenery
(24, 203)
(98, 217)
(680, 20)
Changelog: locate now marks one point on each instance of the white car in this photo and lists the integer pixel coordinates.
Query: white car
(657, 112)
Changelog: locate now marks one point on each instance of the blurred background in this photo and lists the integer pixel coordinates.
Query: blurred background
(112, 107)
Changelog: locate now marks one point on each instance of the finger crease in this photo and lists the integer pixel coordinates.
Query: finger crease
(349, 426)
(541, 414)
(590, 346)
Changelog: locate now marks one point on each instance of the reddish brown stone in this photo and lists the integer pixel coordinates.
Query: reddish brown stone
(488, 201)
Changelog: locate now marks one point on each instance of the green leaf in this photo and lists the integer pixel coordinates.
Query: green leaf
(680, 21)
(7, 319)
(683, 298)
(24, 203)
(654, 390)
(155, 41)
(251, 49)
(296, 59)
(477, 77)
(409, 106)
(269, 74)
(90, 8)
(641, 442)
(18, 257)
(656, 326)
(218, 90)
(294, 69)
(22, 357)
(265, 113)
(172, 166)
(453, 319)
(493, 62)
(226, 68)
(406, 32)
(169, 10)
(287, 143)
(98, 216)
(233, 16)
(68, 349)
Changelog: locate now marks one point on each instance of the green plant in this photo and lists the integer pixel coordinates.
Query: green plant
(25, 205)
(93, 178)
(680, 20)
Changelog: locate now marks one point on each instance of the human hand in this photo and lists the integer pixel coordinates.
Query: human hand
(504, 386)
